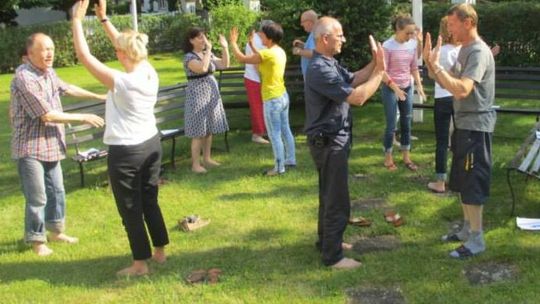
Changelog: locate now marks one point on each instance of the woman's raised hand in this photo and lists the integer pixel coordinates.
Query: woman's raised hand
(78, 11)
(207, 44)
(233, 35)
(101, 9)
(223, 42)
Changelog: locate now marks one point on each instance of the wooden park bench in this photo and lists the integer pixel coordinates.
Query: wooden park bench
(233, 92)
(87, 141)
(515, 83)
(526, 161)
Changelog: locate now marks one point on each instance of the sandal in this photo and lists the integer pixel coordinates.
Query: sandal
(196, 276)
(411, 166)
(213, 275)
(192, 222)
(394, 218)
(390, 167)
(461, 252)
(359, 221)
(452, 237)
(272, 172)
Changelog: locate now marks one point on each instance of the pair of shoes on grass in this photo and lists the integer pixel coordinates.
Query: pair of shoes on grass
(199, 276)
(192, 222)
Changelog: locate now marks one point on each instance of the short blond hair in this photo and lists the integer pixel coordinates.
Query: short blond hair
(464, 11)
(133, 44)
(443, 31)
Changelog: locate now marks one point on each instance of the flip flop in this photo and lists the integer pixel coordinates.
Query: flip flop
(411, 166)
(196, 276)
(394, 218)
(213, 275)
(390, 167)
(359, 221)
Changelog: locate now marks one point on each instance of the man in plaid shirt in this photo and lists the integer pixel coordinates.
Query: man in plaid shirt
(38, 140)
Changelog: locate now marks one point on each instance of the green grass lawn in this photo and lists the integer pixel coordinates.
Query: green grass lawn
(262, 230)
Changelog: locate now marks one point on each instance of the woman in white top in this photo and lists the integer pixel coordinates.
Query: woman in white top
(444, 111)
(134, 157)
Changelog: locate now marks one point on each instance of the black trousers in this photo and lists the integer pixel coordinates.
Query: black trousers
(331, 161)
(443, 113)
(134, 174)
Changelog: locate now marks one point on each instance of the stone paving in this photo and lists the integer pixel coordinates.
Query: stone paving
(374, 295)
(490, 272)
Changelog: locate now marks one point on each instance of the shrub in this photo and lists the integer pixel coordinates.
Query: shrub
(359, 20)
(223, 18)
(511, 25)
(165, 32)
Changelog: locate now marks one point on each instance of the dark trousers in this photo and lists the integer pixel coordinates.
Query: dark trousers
(331, 161)
(134, 174)
(444, 112)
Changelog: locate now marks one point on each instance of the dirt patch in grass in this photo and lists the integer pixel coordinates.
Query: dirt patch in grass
(491, 272)
(366, 204)
(374, 295)
(363, 245)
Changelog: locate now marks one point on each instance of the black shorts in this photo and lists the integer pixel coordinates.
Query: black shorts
(471, 166)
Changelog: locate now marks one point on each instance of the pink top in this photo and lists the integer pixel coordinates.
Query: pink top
(400, 61)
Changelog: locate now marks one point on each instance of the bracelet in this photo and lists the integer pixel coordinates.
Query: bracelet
(389, 82)
(104, 20)
(438, 70)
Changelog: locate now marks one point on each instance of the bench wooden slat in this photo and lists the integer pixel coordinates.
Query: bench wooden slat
(533, 152)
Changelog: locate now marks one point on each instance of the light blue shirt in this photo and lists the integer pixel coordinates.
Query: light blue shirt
(308, 45)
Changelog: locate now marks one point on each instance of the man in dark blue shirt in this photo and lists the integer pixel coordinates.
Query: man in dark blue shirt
(329, 91)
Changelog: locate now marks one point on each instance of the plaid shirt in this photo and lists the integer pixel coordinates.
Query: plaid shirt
(33, 94)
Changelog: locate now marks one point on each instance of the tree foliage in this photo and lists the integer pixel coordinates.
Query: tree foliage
(359, 19)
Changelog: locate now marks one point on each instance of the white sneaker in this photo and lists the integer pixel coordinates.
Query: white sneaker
(259, 139)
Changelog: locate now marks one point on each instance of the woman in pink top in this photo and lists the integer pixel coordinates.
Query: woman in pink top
(397, 92)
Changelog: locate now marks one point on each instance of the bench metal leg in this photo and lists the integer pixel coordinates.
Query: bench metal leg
(173, 149)
(509, 181)
(226, 142)
(81, 172)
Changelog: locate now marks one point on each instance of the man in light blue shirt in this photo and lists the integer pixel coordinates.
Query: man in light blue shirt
(305, 49)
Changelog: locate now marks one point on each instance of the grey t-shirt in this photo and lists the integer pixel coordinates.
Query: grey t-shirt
(326, 88)
(474, 112)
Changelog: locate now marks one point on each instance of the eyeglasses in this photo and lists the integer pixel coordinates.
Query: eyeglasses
(340, 37)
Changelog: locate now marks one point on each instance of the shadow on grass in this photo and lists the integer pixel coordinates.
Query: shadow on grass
(258, 255)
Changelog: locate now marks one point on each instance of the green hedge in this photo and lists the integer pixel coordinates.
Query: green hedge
(513, 25)
(165, 32)
(359, 19)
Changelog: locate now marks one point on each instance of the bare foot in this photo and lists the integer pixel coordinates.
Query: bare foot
(346, 246)
(198, 169)
(346, 263)
(437, 187)
(138, 268)
(159, 255)
(41, 249)
(61, 237)
(211, 163)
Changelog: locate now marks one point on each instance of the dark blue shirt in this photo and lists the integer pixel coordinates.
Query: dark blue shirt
(326, 88)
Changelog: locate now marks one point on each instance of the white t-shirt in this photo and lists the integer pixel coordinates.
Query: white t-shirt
(129, 109)
(251, 71)
(449, 54)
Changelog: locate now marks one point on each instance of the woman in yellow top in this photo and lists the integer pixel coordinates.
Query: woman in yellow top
(271, 62)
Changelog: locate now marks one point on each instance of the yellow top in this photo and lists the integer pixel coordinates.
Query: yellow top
(272, 70)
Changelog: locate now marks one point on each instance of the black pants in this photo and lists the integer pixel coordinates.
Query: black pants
(331, 160)
(444, 112)
(134, 174)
